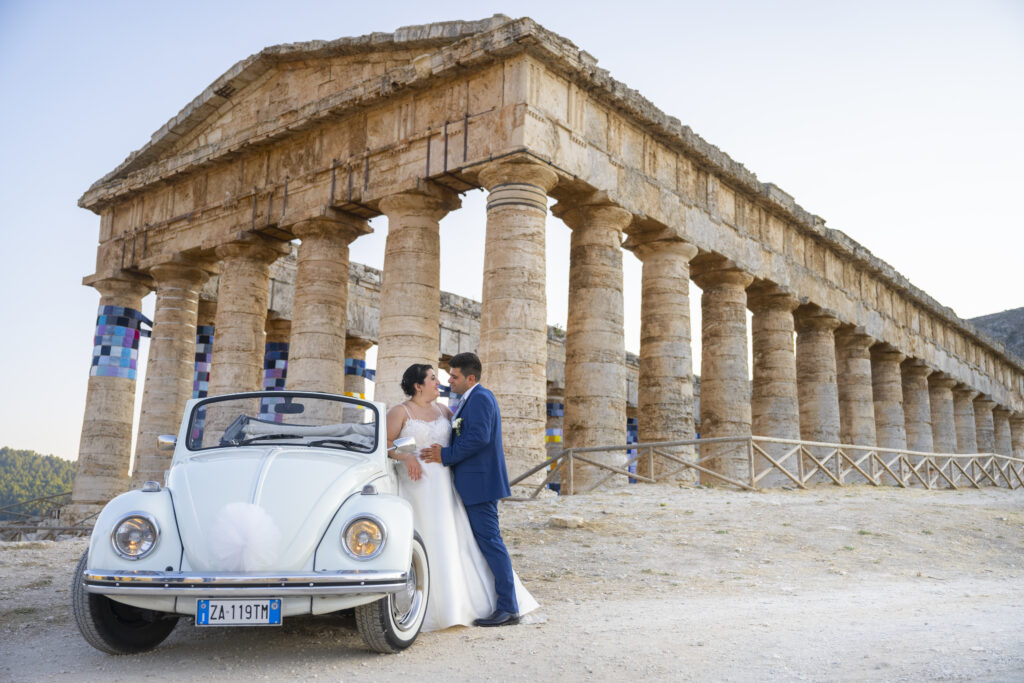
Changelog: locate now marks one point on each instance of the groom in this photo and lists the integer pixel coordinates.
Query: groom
(477, 464)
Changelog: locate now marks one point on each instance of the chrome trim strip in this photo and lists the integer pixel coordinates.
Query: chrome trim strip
(242, 585)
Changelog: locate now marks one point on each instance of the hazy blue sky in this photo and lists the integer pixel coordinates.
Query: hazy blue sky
(900, 123)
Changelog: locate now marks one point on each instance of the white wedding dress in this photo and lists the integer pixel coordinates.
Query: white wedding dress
(461, 583)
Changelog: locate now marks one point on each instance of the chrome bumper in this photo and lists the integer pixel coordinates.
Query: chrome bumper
(226, 584)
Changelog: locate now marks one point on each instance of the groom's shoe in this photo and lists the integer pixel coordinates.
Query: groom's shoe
(498, 618)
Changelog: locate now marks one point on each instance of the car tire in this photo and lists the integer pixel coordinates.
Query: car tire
(113, 627)
(392, 623)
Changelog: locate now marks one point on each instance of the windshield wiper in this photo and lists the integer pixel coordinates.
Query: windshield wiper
(261, 437)
(344, 443)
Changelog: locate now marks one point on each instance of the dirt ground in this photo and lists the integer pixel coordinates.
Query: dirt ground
(659, 582)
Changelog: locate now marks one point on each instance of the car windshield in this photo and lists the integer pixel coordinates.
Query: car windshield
(284, 417)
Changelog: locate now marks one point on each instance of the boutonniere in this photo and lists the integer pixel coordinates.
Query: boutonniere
(457, 426)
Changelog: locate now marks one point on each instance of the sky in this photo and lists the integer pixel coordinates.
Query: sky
(899, 123)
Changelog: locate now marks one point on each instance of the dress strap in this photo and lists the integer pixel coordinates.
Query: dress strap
(406, 410)
(438, 409)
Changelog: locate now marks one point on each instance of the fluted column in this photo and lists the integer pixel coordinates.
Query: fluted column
(513, 307)
(171, 364)
(774, 400)
(410, 295)
(316, 349)
(242, 314)
(983, 424)
(940, 398)
(105, 449)
(887, 388)
(355, 374)
(816, 383)
(856, 395)
(665, 396)
(1017, 434)
(966, 428)
(595, 346)
(1001, 428)
(725, 382)
(917, 408)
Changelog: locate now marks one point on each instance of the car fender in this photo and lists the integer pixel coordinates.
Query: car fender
(159, 507)
(393, 512)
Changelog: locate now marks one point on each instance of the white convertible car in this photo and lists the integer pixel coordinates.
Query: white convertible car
(276, 504)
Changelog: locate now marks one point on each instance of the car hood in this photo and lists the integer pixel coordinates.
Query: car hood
(260, 509)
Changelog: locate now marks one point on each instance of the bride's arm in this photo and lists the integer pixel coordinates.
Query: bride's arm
(395, 420)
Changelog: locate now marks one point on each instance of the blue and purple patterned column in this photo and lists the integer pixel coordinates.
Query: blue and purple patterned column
(105, 449)
(355, 374)
(275, 374)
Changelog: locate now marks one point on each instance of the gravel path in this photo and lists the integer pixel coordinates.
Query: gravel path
(660, 582)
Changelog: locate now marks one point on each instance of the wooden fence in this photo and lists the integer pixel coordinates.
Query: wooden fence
(784, 462)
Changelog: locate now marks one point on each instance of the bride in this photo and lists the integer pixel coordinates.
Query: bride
(461, 583)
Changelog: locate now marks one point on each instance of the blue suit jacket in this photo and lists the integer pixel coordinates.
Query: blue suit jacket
(475, 456)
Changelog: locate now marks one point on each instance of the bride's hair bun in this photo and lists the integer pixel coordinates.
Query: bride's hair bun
(414, 374)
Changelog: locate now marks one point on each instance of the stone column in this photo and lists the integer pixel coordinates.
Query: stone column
(242, 314)
(1017, 434)
(513, 307)
(966, 429)
(917, 408)
(595, 345)
(725, 382)
(1001, 427)
(665, 393)
(774, 400)
(817, 385)
(887, 388)
(983, 424)
(355, 374)
(940, 398)
(105, 449)
(316, 350)
(856, 395)
(171, 364)
(410, 295)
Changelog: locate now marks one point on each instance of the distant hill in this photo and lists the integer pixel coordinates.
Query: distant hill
(25, 475)
(1007, 327)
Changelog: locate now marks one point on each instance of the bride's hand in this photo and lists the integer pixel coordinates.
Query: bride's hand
(412, 466)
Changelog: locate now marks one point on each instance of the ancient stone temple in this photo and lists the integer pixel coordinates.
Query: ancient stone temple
(303, 143)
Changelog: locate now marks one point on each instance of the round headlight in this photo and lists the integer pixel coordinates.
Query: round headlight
(135, 536)
(363, 538)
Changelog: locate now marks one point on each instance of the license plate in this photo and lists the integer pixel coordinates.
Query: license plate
(238, 612)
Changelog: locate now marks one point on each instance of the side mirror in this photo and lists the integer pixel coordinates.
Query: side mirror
(166, 442)
(405, 444)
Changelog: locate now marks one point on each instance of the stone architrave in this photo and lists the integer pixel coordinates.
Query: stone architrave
(816, 382)
(595, 347)
(856, 394)
(105, 449)
(410, 295)
(1001, 429)
(171, 365)
(774, 399)
(316, 349)
(1017, 434)
(917, 408)
(940, 398)
(240, 325)
(966, 428)
(983, 424)
(725, 381)
(665, 399)
(513, 307)
(887, 388)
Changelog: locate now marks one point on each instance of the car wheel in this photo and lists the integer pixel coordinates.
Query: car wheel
(391, 624)
(113, 627)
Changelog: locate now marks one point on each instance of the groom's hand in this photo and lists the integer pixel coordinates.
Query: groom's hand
(431, 454)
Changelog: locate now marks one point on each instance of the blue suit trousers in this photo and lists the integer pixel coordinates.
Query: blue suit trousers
(483, 519)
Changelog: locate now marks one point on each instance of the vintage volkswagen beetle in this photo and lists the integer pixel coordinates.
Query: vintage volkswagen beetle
(276, 504)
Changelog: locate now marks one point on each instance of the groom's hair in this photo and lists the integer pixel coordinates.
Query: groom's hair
(467, 363)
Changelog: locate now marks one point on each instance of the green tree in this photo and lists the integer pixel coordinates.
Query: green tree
(26, 475)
